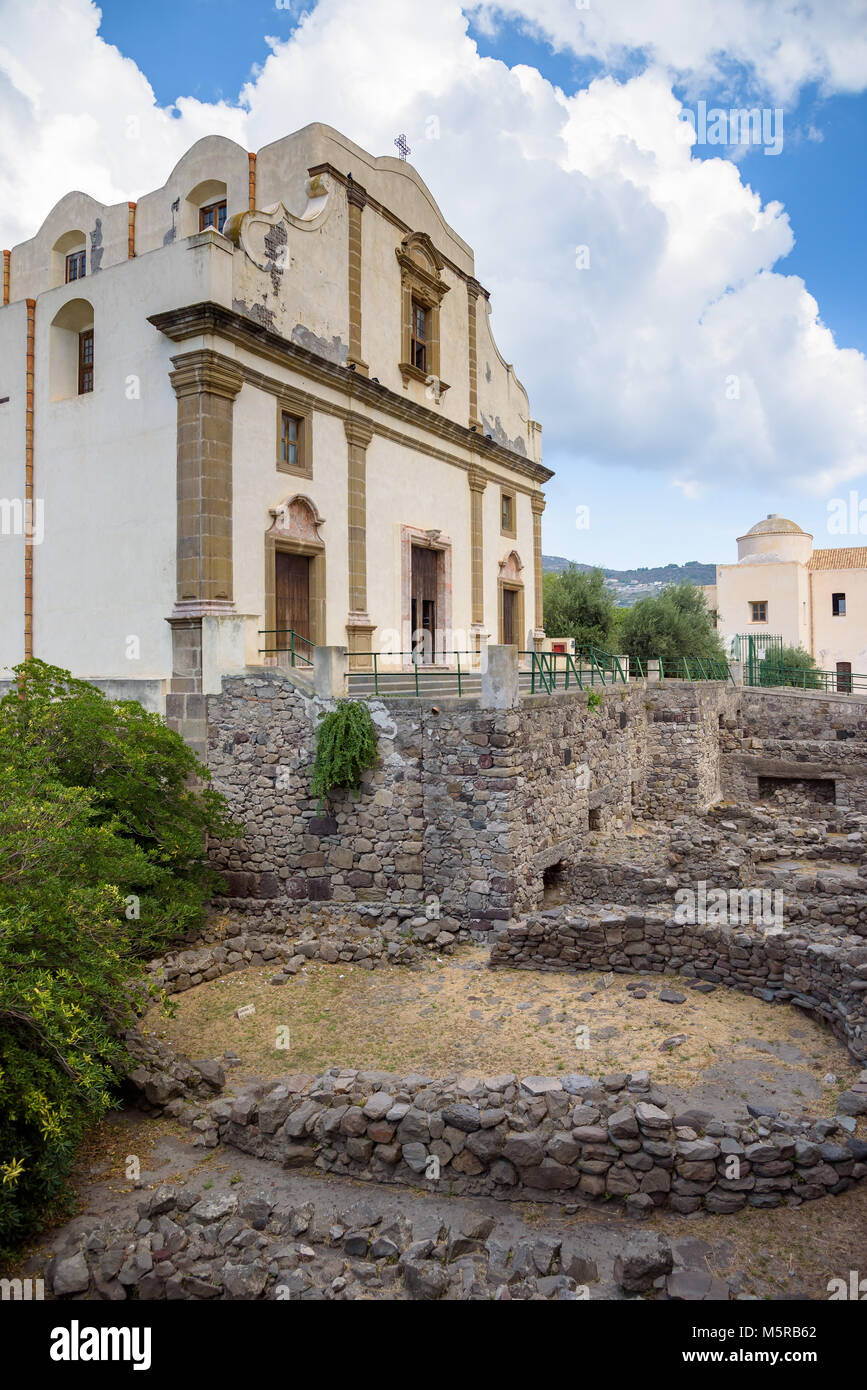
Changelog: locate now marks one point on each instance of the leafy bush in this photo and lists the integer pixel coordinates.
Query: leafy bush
(790, 666)
(345, 748)
(102, 860)
(673, 625)
(578, 604)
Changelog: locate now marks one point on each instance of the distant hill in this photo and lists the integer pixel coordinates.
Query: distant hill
(631, 585)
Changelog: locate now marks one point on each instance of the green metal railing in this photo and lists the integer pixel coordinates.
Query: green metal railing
(298, 649)
(605, 661)
(752, 649)
(552, 670)
(771, 676)
(696, 668)
(419, 670)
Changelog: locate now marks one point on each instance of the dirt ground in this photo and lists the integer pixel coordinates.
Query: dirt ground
(457, 1015)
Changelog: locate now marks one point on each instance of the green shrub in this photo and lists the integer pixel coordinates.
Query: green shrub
(102, 861)
(790, 666)
(673, 625)
(345, 748)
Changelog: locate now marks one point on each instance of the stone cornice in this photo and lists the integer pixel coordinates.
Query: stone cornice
(196, 320)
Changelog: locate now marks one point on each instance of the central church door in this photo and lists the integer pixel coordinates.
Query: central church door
(423, 615)
(293, 599)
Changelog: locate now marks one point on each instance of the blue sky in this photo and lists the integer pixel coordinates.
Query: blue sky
(207, 49)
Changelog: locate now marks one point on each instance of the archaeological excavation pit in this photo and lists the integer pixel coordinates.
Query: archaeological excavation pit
(798, 794)
(457, 1016)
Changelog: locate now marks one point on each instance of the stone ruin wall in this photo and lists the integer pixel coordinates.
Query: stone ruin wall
(473, 805)
(794, 736)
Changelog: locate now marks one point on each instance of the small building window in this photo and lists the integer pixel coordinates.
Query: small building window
(214, 215)
(290, 439)
(507, 513)
(85, 361)
(76, 266)
(418, 336)
(838, 605)
(294, 438)
(760, 611)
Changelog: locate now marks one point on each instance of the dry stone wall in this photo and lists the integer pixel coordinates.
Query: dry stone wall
(794, 736)
(468, 807)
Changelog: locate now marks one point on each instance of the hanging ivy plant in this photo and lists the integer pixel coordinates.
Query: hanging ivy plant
(345, 748)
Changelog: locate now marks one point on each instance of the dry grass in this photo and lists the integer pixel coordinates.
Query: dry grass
(458, 1016)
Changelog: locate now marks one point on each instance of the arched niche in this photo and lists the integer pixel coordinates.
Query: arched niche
(71, 243)
(67, 350)
(204, 195)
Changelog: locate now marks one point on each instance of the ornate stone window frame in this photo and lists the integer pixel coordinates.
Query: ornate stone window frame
(291, 404)
(421, 280)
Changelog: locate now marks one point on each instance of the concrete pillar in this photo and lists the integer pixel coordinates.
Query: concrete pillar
(624, 665)
(653, 676)
(330, 665)
(737, 670)
(500, 678)
(224, 643)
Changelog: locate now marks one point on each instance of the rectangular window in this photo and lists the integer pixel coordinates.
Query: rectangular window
(214, 215)
(290, 439)
(76, 266)
(85, 361)
(507, 517)
(760, 611)
(838, 605)
(844, 677)
(418, 336)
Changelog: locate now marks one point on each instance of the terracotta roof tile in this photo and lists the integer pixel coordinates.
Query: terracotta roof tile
(842, 557)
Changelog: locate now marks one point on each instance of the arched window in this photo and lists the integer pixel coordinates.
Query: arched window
(205, 206)
(68, 258)
(72, 351)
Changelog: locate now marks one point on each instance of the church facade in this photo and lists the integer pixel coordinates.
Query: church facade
(258, 410)
(815, 599)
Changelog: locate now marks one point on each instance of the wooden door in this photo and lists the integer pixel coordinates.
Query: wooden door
(844, 677)
(509, 602)
(423, 615)
(293, 599)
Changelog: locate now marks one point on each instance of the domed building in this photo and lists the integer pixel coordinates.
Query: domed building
(815, 599)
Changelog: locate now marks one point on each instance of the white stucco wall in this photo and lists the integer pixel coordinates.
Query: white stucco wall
(840, 639)
(105, 462)
(13, 370)
(783, 586)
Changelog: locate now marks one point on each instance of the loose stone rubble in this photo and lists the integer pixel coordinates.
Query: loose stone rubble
(262, 1243)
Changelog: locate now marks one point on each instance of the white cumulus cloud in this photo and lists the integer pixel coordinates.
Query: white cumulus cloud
(640, 292)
